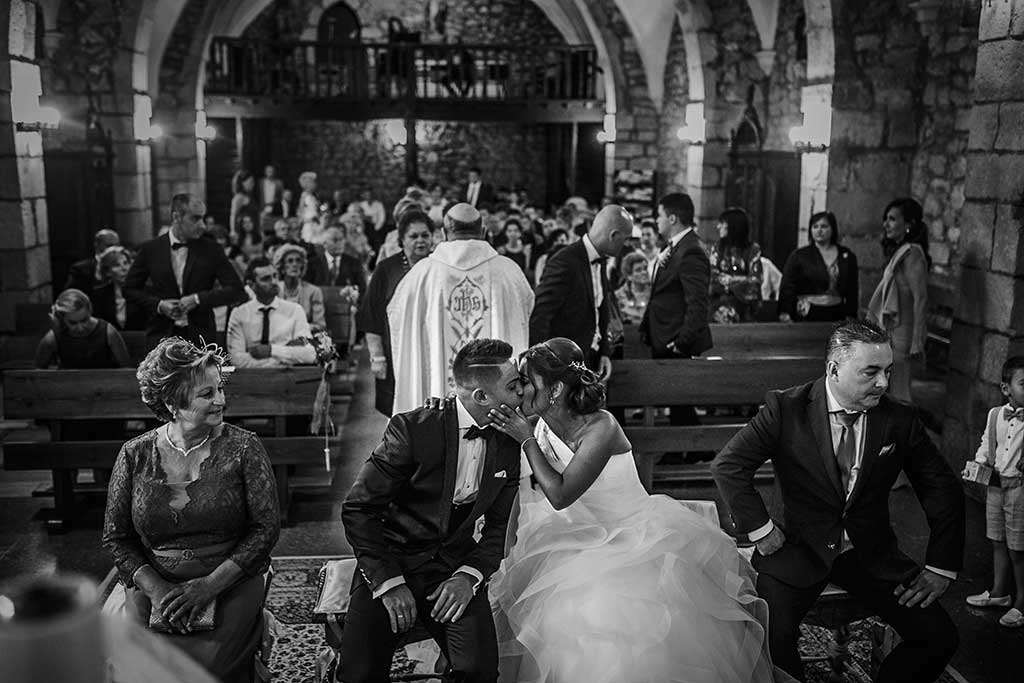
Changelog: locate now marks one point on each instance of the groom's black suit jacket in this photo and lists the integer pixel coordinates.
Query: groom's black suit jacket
(396, 516)
(678, 308)
(792, 429)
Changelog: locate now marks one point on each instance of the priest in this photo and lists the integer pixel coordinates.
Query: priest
(463, 291)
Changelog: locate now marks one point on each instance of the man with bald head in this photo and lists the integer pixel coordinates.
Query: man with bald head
(573, 296)
(464, 290)
(179, 277)
(85, 274)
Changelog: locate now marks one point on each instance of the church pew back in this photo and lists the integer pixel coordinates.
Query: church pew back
(751, 340)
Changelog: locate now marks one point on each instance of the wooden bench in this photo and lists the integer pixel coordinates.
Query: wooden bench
(54, 396)
(340, 319)
(651, 383)
(744, 340)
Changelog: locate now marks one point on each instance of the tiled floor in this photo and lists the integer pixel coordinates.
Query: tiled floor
(988, 652)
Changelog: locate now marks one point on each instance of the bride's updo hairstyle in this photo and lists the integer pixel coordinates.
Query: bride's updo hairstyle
(561, 360)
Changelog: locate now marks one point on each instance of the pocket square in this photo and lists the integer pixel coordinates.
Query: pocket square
(500, 475)
(887, 450)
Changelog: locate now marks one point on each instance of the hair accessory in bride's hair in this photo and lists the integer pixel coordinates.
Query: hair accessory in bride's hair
(586, 375)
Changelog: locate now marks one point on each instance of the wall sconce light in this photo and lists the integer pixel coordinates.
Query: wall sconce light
(813, 135)
(204, 131)
(44, 118)
(693, 129)
(608, 133)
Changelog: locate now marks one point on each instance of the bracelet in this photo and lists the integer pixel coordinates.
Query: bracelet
(522, 446)
(378, 359)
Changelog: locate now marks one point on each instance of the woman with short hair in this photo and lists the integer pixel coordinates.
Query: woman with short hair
(291, 262)
(635, 291)
(108, 300)
(192, 515)
(77, 339)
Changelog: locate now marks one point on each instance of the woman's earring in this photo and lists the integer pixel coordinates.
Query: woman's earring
(551, 401)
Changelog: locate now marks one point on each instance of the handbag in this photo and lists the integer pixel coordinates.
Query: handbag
(205, 622)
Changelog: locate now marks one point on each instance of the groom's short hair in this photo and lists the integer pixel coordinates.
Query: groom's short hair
(479, 362)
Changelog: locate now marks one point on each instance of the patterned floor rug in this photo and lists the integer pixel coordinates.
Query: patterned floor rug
(301, 652)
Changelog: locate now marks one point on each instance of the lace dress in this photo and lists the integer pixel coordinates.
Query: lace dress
(229, 498)
(624, 586)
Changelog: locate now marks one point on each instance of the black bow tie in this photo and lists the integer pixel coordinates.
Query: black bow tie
(181, 245)
(475, 432)
(1009, 413)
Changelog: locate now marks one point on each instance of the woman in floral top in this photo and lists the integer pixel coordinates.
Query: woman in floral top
(736, 271)
(635, 291)
(192, 514)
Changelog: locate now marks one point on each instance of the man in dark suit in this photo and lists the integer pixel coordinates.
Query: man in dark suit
(837, 446)
(573, 296)
(84, 275)
(410, 518)
(478, 193)
(181, 276)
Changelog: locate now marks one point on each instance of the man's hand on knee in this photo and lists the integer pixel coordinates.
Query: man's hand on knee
(451, 598)
(401, 607)
(926, 588)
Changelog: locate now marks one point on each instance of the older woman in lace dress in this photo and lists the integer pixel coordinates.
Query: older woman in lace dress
(192, 515)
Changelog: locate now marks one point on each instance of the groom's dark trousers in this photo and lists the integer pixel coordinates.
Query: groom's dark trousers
(401, 521)
(845, 539)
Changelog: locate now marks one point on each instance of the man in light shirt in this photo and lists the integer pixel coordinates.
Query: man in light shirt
(837, 446)
(410, 518)
(267, 331)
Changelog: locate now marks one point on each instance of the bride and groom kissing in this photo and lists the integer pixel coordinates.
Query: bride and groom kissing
(603, 581)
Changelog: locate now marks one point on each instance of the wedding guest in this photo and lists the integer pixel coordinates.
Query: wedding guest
(108, 300)
(181, 276)
(736, 271)
(413, 199)
(271, 191)
(555, 240)
(290, 262)
(514, 247)
(837, 446)
(288, 206)
(78, 340)
(438, 204)
(308, 211)
(635, 291)
(338, 267)
(414, 229)
(820, 281)
(899, 303)
(192, 515)
(243, 186)
(267, 331)
(373, 210)
(293, 235)
(247, 237)
(85, 274)
(1000, 449)
(650, 243)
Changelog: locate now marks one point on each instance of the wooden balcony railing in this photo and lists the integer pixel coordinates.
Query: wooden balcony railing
(395, 71)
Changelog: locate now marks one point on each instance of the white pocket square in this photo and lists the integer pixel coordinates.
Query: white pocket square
(499, 475)
(887, 450)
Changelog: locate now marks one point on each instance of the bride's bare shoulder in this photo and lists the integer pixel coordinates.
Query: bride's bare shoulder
(603, 426)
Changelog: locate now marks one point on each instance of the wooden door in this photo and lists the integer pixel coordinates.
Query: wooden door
(767, 185)
(79, 202)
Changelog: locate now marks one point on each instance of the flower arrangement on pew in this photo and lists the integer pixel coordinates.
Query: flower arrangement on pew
(326, 357)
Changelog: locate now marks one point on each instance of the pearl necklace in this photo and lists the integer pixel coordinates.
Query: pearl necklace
(184, 451)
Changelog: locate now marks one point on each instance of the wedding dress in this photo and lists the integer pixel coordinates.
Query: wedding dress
(624, 587)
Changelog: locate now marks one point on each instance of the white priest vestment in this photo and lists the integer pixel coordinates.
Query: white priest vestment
(463, 291)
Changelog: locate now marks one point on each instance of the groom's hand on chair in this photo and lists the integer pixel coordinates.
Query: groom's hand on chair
(925, 589)
(451, 597)
(401, 607)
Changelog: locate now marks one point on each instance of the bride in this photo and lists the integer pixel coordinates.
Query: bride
(606, 582)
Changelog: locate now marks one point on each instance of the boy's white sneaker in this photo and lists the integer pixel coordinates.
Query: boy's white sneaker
(985, 600)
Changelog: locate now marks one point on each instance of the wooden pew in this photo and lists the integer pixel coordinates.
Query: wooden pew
(750, 339)
(54, 396)
(649, 383)
(340, 319)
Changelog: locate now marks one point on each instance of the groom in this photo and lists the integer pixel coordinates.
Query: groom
(837, 446)
(410, 518)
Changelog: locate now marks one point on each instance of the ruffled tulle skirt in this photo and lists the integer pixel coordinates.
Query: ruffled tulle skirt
(655, 594)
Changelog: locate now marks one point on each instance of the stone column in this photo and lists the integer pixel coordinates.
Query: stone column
(24, 237)
(989, 320)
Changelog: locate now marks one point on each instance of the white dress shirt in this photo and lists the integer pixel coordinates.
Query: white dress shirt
(836, 428)
(472, 192)
(655, 263)
(467, 484)
(1009, 439)
(287, 322)
(178, 259)
(595, 282)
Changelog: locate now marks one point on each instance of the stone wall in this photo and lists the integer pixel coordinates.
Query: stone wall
(347, 155)
(990, 314)
(24, 236)
(671, 150)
